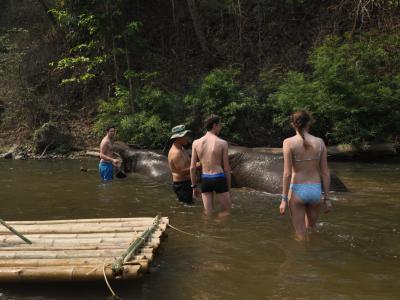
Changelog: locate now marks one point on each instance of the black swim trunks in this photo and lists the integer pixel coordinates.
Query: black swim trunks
(214, 183)
(184, 191)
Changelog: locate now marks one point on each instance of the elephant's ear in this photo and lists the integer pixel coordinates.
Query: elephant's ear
(235, 159)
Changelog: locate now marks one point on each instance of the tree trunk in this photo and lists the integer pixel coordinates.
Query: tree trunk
(197, 24)
(114, 55)
(130, 83)
(4, 13)
(49, 15)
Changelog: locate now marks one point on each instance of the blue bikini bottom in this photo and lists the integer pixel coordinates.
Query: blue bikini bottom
(308, 193)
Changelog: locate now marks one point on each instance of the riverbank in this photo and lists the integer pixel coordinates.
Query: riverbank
(16, 152)
(336, 153)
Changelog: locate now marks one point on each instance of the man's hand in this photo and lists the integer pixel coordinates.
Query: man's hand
(196, 193)
(116, 162)
(328, 206)
(282, 207)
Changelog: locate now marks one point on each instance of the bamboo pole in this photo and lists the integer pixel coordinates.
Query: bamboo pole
(79, 226)
(15, 232)
(83, 230)
(67, 229)
(65, 273)
(139, 259)
(62, 254)
(62, 261)
(122, 243)
(53, 262)
(75, 248)
(78, 221)
(51, 242)
(54, 243)
(132, 235)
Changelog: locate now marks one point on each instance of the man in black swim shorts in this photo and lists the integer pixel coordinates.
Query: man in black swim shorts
(179, 163)
(212, 152)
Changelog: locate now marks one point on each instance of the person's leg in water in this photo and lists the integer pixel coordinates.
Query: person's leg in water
(225, 203)
(309, 194)
(312, 214)
(298, 214)
(207, 202)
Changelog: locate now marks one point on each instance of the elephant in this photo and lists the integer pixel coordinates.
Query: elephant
(262, 168)
(256, 168)
(145, 162)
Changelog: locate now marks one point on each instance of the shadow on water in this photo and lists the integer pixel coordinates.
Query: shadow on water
(252, 255)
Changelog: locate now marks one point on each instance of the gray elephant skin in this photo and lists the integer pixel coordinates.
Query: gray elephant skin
(255, 168)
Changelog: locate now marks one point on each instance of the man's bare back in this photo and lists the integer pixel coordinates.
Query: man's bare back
(209, 150)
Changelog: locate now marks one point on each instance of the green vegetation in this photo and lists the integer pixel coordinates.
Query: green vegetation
(144, 120)
(147, 66)
(353, 89)
(246, 118)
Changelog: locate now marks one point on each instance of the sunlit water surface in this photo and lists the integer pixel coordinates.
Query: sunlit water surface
(354, 255)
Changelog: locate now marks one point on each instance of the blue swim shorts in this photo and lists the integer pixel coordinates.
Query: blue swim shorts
(106, 170)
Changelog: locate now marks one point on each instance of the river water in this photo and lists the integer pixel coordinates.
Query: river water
(355, 254)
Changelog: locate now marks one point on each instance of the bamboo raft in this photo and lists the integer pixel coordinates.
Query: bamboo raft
(80, 250)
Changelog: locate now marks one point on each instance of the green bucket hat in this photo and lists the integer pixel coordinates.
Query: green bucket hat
(179, 131)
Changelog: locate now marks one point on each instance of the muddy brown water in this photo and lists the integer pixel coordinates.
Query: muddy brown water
(354, 255)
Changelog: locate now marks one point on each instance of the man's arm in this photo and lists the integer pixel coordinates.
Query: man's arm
(226, 165)
(193, 164)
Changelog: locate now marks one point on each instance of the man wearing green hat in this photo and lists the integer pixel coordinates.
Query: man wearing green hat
(179, 163)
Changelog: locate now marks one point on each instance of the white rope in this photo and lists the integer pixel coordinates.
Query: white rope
(194, 235)
(108, 284)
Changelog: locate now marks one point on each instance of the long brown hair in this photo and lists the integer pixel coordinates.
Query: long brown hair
(300, 120)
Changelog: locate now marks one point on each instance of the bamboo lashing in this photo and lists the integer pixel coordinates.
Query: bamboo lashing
(117, 265)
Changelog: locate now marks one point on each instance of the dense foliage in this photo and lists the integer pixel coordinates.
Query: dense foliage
(219, 93)
(353, 89)
(146, 66)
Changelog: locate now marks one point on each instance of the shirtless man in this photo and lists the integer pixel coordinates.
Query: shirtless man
(212, 152)
(179, 163)
(107, 162)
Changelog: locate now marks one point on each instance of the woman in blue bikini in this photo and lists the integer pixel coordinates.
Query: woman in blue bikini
(305, 164)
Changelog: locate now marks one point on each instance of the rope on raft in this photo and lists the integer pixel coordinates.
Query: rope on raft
(195, 235)
(114, 295)
(117, 266)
